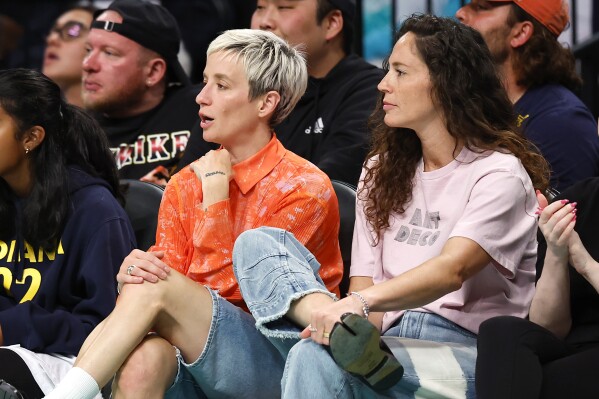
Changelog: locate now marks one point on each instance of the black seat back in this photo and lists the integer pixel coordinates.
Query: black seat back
(346, 196)
(142, 205)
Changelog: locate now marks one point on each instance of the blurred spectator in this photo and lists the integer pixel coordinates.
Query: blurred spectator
(65, 51)
(10, 34)
(137, 89)
(539, 75)
(23, 29)
(201, 21)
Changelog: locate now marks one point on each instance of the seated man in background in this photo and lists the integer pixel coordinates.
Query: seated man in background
(328, 126)
(539, 76)
(137, 89)
(65, 49)
(251, 82)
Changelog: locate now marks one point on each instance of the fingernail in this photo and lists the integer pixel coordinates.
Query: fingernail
(574, 210)
(538, 212)
(574, 218)
(538, 191)
(564, 201)
(574, 204)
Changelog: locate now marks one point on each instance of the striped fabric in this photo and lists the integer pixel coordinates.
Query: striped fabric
(433, 369)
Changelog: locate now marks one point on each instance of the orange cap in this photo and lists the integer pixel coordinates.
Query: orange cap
(552, 14)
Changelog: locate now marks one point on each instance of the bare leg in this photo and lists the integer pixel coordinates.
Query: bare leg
(177, 308)
(301, 309)
(148, 371)
(89, 341)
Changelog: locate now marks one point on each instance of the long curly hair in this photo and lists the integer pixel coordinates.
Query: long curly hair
(72, 138)
(542, 60)
(476, 109)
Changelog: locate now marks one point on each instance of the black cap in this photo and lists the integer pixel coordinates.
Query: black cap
(347, 7)
(151, 26)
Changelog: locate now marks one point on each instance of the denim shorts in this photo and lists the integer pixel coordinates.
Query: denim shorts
(274, 269)
(237, 361)
(244, 356)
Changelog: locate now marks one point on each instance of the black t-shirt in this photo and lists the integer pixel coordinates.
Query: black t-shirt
(156, 138)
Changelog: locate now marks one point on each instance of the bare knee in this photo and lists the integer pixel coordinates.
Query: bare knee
(146, 296)
(148, 371)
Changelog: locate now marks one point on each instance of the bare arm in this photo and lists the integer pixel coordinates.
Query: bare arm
(214, 170)
(359, 283)
(550, 306)
(460, 259)
(582, 261)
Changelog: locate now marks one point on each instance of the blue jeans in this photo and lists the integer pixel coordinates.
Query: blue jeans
(244, 355)
(237, 360)
(438, 359)
(273, 269)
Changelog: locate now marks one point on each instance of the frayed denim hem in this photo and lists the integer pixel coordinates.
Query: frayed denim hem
(261, 323)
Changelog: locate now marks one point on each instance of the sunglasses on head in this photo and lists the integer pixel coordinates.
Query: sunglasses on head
(70, 30)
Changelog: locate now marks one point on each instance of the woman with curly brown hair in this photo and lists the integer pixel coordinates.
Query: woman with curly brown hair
(445, 233)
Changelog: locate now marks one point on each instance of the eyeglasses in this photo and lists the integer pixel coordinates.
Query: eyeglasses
(70, 30)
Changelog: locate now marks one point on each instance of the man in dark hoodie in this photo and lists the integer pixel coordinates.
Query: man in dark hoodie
(329, 124)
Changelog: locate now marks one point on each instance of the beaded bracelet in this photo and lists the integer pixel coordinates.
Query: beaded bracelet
(365, 307)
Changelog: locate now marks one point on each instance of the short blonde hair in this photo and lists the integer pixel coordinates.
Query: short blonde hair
(270, 63)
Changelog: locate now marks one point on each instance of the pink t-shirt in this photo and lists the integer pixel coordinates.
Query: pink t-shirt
(487, 198)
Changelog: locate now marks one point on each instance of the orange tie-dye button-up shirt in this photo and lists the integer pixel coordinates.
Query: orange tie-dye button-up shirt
(275, 188)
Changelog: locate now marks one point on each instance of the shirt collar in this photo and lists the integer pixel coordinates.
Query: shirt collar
(250, 171)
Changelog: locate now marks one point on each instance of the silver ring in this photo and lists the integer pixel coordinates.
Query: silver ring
(130, 268)
(312, 329)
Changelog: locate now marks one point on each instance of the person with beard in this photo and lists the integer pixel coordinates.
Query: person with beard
(65, 49)
(539, 75)
(137, 89)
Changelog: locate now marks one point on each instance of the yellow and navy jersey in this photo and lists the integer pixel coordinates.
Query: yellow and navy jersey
(52, 298)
